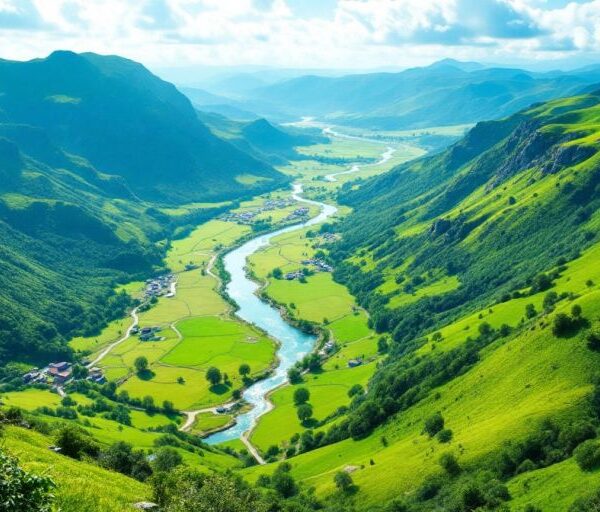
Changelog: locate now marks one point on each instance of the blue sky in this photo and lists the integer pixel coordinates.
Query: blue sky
(344, 34)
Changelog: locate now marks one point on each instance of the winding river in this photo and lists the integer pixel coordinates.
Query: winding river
(293, 343)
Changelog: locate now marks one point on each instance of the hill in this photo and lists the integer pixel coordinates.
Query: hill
(127, 122)
(445, 93)
(479, 270)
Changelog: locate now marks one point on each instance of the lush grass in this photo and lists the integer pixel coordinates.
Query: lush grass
(82, 487)
(208, 421)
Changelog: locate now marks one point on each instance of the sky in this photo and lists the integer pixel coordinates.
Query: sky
(334, 34)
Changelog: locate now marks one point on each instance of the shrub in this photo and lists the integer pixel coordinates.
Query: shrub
(590, 503)
(166, 459)
(294, 375)
(444, 436)
(587, 455)
(355, 390)
(562, 324)
(21, 490)
(593, 340)
(434, 424)
(305, 411)
(450, 464)
(530, 311)
(343, 481)
(75, 442)
(301, 396)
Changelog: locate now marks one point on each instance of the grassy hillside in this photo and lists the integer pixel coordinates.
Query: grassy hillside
(481, 265)
(127, 122)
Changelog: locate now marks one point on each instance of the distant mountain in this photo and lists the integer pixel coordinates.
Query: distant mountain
(262, 139)
(127, 122)
(445, 93)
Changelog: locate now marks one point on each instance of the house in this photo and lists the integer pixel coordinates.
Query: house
(354, 363)
(61, 377)
(59, 367)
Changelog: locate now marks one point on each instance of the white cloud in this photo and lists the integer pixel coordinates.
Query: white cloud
(356, 33)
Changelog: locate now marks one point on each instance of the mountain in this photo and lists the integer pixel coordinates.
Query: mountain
(94, 153)
(262, 139)
(480, 269)
(445, 93)
(127, 122)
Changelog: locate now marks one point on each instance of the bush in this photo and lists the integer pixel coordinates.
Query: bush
(444, 436)
(305, 411)
(301, 396)
(590, 503)
(450, 464)
(21, 490)
(343, 481)
(434, 424)
(593, 341)
(562, 324)
(587, 455)
(294, 375)
(121, 457)
(166, 459)
(75, 442)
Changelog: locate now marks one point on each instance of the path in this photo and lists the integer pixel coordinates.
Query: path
(106, 351)
(253, 451)
(191, 415)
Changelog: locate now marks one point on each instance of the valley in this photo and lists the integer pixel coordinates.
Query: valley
(323, 314)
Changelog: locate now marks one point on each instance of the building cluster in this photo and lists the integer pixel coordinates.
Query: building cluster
(330, 237)
(319, 264)
(247, 216)
(59, 373)
(147, 333)
(161, 285)
(298, 213)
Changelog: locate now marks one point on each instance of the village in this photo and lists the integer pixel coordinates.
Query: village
(320, 265)
(269, 205)
(59, 373)
(161, 285)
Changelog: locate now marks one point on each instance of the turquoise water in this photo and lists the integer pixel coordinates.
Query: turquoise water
(294, 344)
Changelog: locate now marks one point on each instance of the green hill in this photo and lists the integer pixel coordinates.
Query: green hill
(480, 266)
(127, 122)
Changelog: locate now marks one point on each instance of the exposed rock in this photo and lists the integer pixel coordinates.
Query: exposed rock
(145, 505)
(440, 226)
(562, 156)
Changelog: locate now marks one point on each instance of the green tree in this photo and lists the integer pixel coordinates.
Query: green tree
(168, 407)
(213, 375)
(277, 273)
(140, 364)
(283, 482)
(450, 464)
(356, 390)
(75, 442)
(22, 490)
(530, 311)
(343, 481)
(166, 459)
(304, 411)
(434, 424)
(562, 324)
(294, 375)
(587, 455)
(244, 370)
(301, 396)
(576, 311)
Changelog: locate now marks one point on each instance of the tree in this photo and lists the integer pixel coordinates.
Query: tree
(434, 424)
(530, 311)
(444, 436)
(244, 369)
(168, 407)
(294, 375)
(356, 390)
(213, 375)
(550, 299)
(283, 482)
(343, 481)
(587, 455)
(304, 411)
(562, 324)
(22, 490)
(593, 340)
(301, 396)
(277, 273)
(450, 464)
(485, 329)
(166, 459)
(148, 403)
(576, 311)
(141, 364)
(75, 442)
(382, 345)
(79, 372)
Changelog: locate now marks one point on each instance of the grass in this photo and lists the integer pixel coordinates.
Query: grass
(208, 421)
(82, 487)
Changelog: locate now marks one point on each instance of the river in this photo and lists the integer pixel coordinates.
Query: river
(293, 343)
